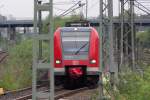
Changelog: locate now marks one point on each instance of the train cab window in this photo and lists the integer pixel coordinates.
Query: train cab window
(75, 45)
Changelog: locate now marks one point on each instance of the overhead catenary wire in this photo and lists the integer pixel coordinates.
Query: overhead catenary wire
(76, 2)
(142, 5)
(69, 8)
(142, 9)
(73, 10)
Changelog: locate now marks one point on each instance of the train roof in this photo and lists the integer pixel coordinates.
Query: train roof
(78, 29)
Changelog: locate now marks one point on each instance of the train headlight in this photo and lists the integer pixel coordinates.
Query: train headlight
(58, 61)
(93, 61)
(75, 29)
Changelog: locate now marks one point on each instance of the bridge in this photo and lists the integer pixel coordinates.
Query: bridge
(12, 24)
(16, 23)
(138, 22)
(95, 22)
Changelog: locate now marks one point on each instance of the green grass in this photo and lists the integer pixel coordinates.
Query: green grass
(16, 71)
(134, 87)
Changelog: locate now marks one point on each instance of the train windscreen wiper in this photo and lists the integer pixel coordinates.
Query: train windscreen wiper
(81, 48)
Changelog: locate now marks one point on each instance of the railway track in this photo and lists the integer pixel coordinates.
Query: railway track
(63, 94)
(3, 55)
(11, 95)
(67, 93)
(146, 56)
(60, 93)
(22, 94)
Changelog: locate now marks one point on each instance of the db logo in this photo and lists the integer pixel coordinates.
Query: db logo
(75, 62)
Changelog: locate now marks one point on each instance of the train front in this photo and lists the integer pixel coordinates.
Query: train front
(76, 55)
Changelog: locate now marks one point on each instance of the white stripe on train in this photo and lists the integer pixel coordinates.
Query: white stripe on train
(63, 69)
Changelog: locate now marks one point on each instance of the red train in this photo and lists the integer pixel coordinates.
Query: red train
(76, 56)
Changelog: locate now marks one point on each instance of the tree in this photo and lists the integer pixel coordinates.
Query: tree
(144, 37)
(59, 22)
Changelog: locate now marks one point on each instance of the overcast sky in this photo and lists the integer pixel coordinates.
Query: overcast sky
(23, 9)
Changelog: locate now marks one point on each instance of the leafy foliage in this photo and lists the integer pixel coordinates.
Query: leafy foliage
(144, 37)
(134, 87)
(16, 71)
(58, 22)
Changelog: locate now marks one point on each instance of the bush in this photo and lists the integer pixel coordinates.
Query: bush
(144, 38)
(58, 22)
(135, 87)
(16, 71)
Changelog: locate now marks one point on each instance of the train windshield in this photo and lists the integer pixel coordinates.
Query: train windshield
(75, 45)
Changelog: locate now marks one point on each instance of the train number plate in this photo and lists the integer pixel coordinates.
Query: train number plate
(75, 62)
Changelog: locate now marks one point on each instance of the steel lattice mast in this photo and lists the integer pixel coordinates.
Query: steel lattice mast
(38, 38)
(106, 37)
(127, 41)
